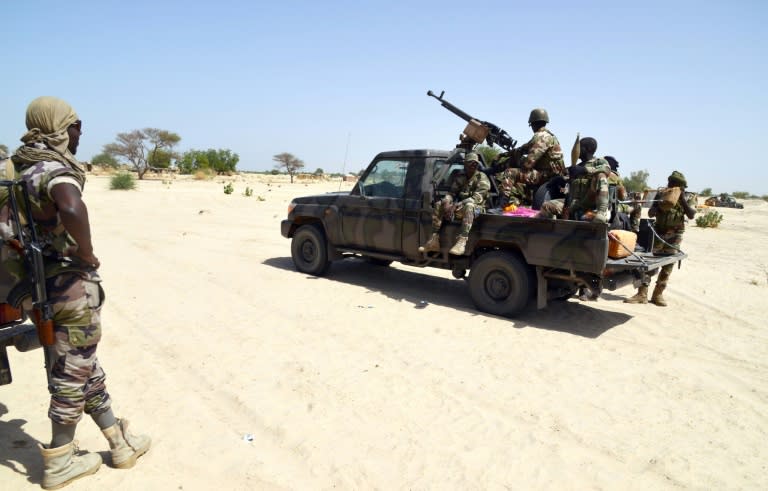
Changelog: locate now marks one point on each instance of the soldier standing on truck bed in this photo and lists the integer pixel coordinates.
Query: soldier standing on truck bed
(670, 225)
(539, 160)
(466, 200)
(54, 178)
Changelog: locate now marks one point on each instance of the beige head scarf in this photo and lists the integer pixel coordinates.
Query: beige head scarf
(47, 121)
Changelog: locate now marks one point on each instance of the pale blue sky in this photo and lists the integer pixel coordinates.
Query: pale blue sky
(663, 86)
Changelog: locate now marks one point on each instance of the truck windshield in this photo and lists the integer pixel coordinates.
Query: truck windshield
(386, 179)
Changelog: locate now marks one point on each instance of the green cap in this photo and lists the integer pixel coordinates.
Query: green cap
(472, 157)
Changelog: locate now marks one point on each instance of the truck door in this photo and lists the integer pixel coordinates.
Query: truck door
(372, 214)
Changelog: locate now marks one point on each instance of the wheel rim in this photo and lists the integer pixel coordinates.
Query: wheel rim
(497, 285)
(308, 251)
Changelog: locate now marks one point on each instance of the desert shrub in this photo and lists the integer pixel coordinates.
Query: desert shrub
(204, 174)
(711, 220)
(248, 192)
(229, 188)
(122, 180)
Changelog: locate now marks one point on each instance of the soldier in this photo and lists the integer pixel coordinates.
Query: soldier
(634, 209)
(539, 160)
(588, 187)
(466, 200)
(670, 225)
(47, 165)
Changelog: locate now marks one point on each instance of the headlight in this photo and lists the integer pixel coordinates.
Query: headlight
(291, 206)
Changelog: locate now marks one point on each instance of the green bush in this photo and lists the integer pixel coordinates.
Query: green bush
(248, 192)
(711, 220)
(122, 180)
(229, 189)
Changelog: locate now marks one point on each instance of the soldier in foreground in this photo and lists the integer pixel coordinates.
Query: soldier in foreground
(588, 188)
(670, 225)
(47, 165)
(539, 160)
(466, 200)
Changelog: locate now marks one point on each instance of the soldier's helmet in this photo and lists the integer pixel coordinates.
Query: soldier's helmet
(677, 178)
(472, 157)
(538, 114)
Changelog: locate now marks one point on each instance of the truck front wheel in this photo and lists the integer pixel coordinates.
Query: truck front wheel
(309, 250)
(499, 283)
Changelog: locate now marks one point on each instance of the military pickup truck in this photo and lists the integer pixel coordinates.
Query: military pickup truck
(511, 260)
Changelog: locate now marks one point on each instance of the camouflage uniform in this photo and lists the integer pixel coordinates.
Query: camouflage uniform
(543, 160)
(76, 379)
(670, 226)
(589, 192)
(471, 195)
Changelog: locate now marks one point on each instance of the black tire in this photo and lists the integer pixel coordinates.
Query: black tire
(378, 262)
(500, 284)
(309, 250)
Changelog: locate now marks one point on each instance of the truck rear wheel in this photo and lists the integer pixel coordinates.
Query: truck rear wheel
(500, 284)
(309, 250)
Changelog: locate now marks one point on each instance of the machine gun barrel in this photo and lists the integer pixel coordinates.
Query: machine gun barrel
(492, 134)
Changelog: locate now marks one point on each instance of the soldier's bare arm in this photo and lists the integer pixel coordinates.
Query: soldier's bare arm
(74, 217)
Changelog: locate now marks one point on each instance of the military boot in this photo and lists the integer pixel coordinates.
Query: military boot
(657, 298)
(432, 245)
(459, 247)
(640, 297)
(124, 446)
(61, 466)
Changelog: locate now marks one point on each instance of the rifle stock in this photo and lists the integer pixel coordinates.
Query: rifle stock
(31, 250)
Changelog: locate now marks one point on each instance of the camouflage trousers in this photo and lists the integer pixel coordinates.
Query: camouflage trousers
(517, 186)
(670, 243)
(446, 209)
(634, 210)
(552, 208)
(663, 279)
(76, 379)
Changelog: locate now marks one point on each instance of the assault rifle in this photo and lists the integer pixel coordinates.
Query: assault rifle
(28, 246)
(477, 131)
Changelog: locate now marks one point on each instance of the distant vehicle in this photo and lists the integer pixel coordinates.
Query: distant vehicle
(723, 201)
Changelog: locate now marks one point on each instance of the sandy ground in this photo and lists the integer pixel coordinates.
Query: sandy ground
(250, 375)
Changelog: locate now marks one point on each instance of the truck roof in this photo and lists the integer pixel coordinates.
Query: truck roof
(422, 152)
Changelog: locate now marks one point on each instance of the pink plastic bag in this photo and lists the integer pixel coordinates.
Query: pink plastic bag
(522, 211)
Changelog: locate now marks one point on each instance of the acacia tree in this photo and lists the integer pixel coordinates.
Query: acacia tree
(143, 147)
(289, 162)
(222, 161)
(105, 160)
(637, 181)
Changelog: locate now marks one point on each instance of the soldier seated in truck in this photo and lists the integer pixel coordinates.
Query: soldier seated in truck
(466, 200)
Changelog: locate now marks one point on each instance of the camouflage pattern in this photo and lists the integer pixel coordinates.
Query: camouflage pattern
(552, 208)
(540, 160)
(670, 225)
(589, 192)
(471, 195)
(39, 178)
(77, 381)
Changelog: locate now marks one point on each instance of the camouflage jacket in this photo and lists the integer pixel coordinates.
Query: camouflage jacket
(40, 178)
(583, 190)
(672, 220)
(543, 153)
(476, 187)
